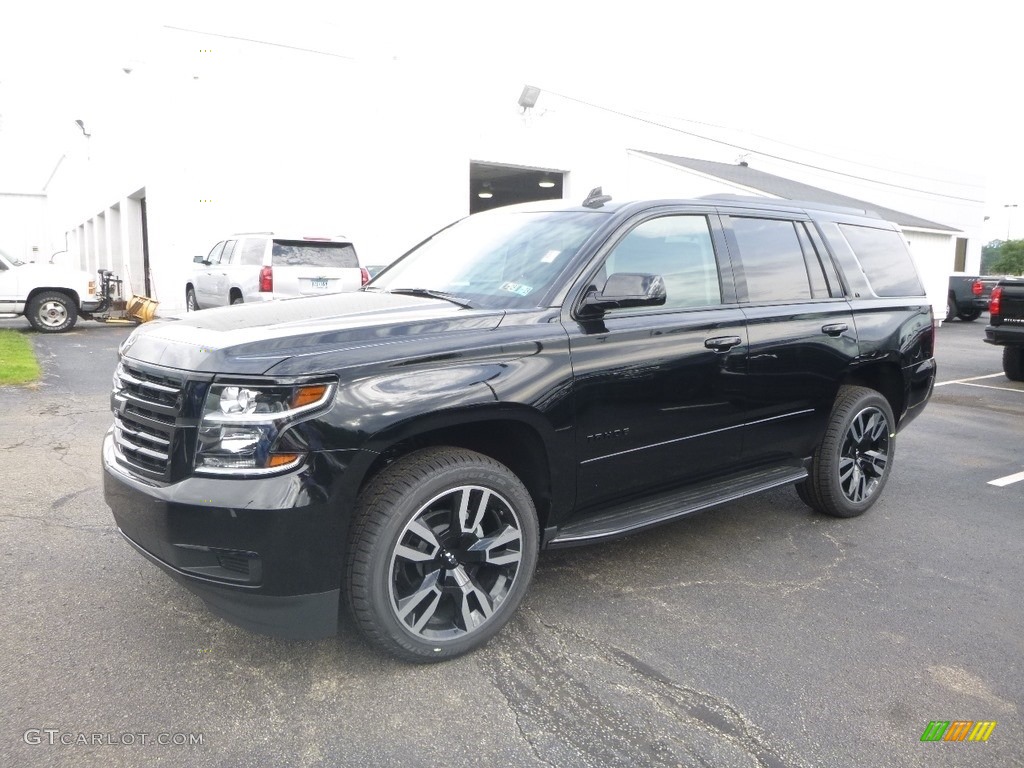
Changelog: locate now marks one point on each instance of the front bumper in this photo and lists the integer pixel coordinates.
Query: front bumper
(265, 553)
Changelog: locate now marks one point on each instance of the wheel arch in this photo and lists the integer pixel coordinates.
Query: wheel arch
(71, 293)
(885, 378)
(515, 436)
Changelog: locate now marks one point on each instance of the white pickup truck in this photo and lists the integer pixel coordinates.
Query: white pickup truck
(51, 297)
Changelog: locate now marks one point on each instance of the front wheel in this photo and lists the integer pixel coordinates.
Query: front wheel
(950, 308)
(52, 312)
(1013, 363)
(191, 305)
(854, 459)
(444, 544)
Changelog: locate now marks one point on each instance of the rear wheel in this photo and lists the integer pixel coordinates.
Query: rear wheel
(854, 459)
(444, 544)
(970, 315)
(236, 297)
(1013, 363)
(52, 312)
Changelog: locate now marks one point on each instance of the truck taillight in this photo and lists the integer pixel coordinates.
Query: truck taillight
(977, 288)
(267, 280)
(364, 275)
(995, 300)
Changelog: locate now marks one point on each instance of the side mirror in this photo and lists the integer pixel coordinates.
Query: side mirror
(625, 289)
(200, 259)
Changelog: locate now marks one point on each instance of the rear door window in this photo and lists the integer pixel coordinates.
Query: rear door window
(300, 253)
(885, 259)
(773, 260)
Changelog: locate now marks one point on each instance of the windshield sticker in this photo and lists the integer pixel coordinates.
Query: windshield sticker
(550, 256)
(518, 289)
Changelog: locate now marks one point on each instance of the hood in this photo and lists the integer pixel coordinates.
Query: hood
(253, 338)
(53, 273)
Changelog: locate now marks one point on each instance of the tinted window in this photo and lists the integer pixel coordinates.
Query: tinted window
(819, 283)
(300, 253)
(773, 262)
(885, 259)
(679, 249)
(252, 251)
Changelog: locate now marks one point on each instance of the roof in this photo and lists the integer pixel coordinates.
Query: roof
(788, 189)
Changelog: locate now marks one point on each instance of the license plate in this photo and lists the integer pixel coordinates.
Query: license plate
(319, 282)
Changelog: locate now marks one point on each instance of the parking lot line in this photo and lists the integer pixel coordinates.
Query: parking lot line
(988, 386)
(1001, 481)
(971, 378)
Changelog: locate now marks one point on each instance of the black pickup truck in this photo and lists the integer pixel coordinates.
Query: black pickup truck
(1006, 325)
(968, 296)
(527, 378)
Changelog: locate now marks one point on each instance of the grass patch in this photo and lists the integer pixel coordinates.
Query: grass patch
(18, 364)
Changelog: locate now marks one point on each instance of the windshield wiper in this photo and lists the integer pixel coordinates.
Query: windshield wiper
(429, 293)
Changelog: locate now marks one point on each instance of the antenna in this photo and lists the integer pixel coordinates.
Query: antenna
(595, 199)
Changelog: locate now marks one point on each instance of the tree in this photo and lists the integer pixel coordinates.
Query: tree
(989, 256)
(1011, 258)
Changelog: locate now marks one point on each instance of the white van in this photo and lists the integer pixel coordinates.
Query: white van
(262, 266)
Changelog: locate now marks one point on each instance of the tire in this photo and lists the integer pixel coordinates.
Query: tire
(970, 315)
(417, 588)
(191, 305)
(853, 461)
(236, 299)
(52, 312)
(1013, 363)
(950, 308)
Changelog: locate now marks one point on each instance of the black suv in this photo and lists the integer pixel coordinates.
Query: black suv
(527, 378)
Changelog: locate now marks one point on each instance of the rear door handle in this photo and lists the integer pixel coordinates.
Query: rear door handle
(722, 343)
(835, 329)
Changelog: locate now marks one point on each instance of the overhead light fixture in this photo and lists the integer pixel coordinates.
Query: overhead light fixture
(545, 183)
(528, 98)
(485, 193)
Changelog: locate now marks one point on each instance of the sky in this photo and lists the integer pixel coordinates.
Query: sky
(917, 94)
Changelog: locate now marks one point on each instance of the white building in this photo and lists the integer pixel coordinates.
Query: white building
(254, 139)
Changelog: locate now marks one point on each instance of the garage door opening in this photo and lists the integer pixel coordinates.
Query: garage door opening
(492, 185)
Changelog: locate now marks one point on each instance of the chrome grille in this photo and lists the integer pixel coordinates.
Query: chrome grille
(146, 406)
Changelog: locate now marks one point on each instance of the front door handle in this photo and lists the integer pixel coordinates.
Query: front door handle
(835, 329)
(722, 343)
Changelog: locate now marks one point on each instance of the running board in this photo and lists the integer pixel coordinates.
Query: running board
(635, 516)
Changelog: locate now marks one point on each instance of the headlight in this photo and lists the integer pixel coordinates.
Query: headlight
(241, 424)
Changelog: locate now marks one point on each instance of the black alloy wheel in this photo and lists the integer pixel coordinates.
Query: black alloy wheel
(443, 546)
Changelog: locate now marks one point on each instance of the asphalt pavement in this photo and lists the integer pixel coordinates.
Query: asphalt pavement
(756, 634)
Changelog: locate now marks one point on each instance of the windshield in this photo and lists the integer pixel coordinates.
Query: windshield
(10, 259)
(497, 259)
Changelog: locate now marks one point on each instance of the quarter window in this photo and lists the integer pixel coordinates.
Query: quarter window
(679, 249)
(885, 259)
(252, 251)
(773, 261)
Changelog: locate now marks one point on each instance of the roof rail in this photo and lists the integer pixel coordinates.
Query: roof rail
(782, 202)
